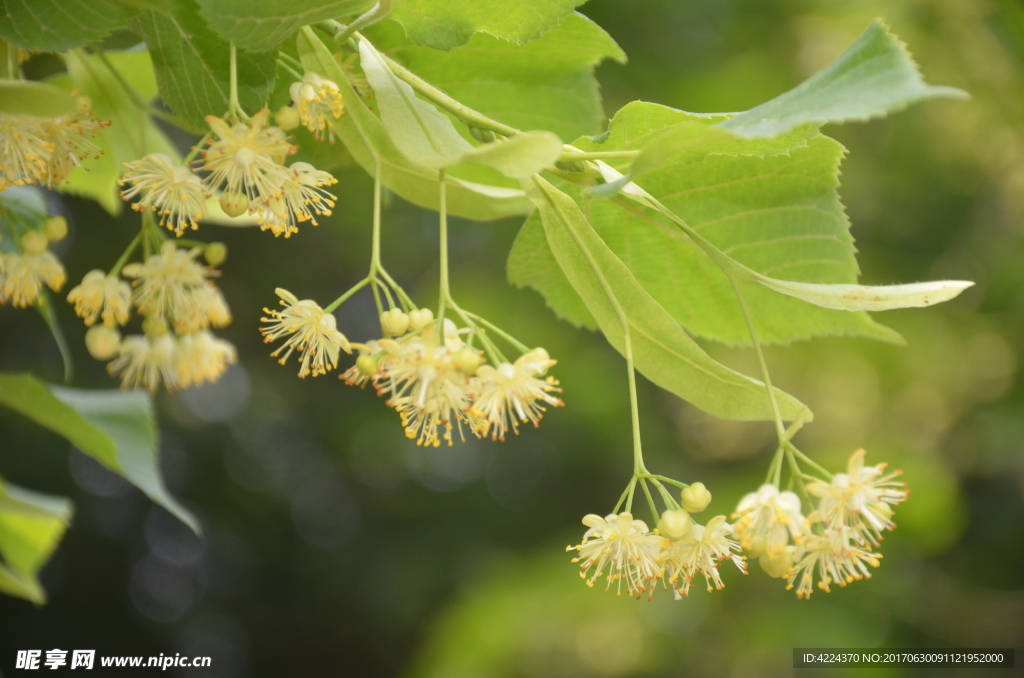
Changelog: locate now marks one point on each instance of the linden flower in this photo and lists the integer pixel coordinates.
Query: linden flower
(68, 136)
(24, 150)
(101, 296)
(201, 357)
(200, 307)
(309, 329)
(700, 550)
(171, 283)
(625, 547)
(145, 361)
(23, 276)
(764, 521)
(297, 199)
(514, 393)
(860, 498)
(836, 558)
(367, 364)
(168, 188)
(319, 101)
(244, 158)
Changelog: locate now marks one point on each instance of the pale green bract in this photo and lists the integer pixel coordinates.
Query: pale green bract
(31, 525)
(26, 97)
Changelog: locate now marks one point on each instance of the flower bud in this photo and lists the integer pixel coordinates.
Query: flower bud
(367, 364)
(102, 342)
(674, 524)
(757, 546)
(287, 118)
(215, 253)
(234, 204)
(420, 318)
(484, 136)
(154, 326)
(696, 498)
(33, 242)
(395, 322)
(780, 565)
(466, 360)
(55, 228)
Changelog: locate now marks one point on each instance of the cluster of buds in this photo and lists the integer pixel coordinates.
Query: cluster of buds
(178, 303)
(836, 542)
(637, 560)
(35, 150)
(244, 166)
(438, 383)
(24, 273)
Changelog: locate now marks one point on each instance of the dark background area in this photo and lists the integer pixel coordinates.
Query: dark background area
(334, 546)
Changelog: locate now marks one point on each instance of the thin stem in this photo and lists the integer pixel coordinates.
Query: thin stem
(650, 499)
(371, 16)
(376, 296)
(780, 428)
(628, 492)
(343, 298)
(796, 479)
(501, 333)
(233, 106)
(375, 244)
(194, 151)
(803, 457)
(666, 496)
(572, 156)
(288, 67)
(775, 467)
(290, 59)
(670, 481)
(445, 293)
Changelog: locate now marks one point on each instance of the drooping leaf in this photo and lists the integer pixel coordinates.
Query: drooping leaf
(444, 24)
(192, 65)
(27, 97)
(427, 137)
(261, 25)
(875, 76)
(779, 215)
(422, 133)
(662, 351)
(547, 83)
(31, 526)
(117, 428)
(835, 296)
(58, 25)
(368, 141)
(131, 135)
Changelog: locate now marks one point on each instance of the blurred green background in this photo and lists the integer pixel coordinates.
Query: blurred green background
(336, 547)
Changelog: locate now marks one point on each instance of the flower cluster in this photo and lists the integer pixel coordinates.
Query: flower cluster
(318, 100)
(179, 304)
(638, 559)
(35, 150)
(23, 274)
(439, 383)
(836, 541)
(244, 166)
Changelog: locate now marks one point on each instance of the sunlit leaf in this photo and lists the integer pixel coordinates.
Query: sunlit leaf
(875, 76)
(58, 25)
(662, 351)
(31, 526)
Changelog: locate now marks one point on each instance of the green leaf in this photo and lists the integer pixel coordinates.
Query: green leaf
(27, 97)
(444, 24)
(662, 351)
(127, 418)
(427, 137)
(547, 83)
(870, 297)
(58, 25)
(193, 65)
(875, 76)
(132, 133)
(260, 25)
(779, 215)
(116, 428)
(365, 137)
(422, 133)
(31, 526)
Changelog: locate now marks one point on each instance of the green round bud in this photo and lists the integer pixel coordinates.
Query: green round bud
(55, 228)
(215, 253)
(154, 326)
(33, 242)
(420, 318)
(466, 360)
(395, 322)
(484, 136)
(674, 524)
(367, 364)
(696, 498)
(234, 204)
(778, 566)
(102, 342)
(287, 118)
(757, 547)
